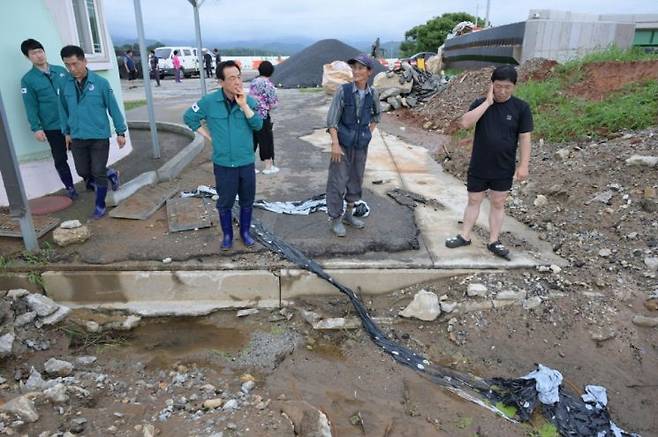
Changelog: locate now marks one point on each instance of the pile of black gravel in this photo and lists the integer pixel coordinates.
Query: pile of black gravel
(304, 69)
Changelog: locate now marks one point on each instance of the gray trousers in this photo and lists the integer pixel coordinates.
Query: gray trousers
(345, 180)
(90, 158)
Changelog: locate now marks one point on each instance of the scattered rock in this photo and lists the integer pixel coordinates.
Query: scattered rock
(603, 335)
(306, 419)
(328, 324)
(563, 154)
(604, 253)
(66, 237)
(6, 344)
(42, 305)
(642, 161)
(230, 405)
(247, 312)
(25, 318)
(211, 404)
(425, 306)
(651, 262)
(603, 197)
(56, 394)
(70, 224)
(476, 290)
(78, 425)
(555, 268)
(532, 302)
(247, 387)
(540, 201)
(651, 304)
(35, 382)
(92, 326)
(650, 322)
(447, 307)
(86, 360)
(57, 367)
(166, 260)
(511, 295)
(56, 317)
(17, 293)
(23, 407)
(149, 430)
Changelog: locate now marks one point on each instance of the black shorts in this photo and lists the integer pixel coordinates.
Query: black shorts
(475, 184)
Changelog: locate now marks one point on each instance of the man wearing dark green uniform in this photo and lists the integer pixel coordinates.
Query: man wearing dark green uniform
(86, 100)
(39, 89)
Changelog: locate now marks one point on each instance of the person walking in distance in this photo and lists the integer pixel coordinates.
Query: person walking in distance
(175, 61)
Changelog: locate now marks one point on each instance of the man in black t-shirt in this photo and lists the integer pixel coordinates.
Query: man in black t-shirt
(502, 122)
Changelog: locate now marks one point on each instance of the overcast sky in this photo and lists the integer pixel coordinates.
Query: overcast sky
(226, 20)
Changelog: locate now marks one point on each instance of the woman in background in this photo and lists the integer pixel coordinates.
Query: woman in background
(264, 92)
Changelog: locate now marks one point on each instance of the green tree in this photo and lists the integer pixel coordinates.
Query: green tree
(428, 37)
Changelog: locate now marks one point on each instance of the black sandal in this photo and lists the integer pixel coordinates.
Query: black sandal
(498, 249)
(457, 241)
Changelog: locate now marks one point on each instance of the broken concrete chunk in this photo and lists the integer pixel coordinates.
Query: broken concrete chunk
(43, 305)
(66, 237)
(649, 322)
(476, 290)
(23, 407)
(540, 201)
(328, 324)
(35, 382)
(425, 306)
(642, 161)
(6, 344)
(57, 316)
(247, 312)
(532, 302)
(447, 307)
(17, 293)
(25, 318)
(55, 367)
(211, 404)
(510, 295)
(56, 394)
(86, 360)
(651, 262)
(70, 224)
(306, 419)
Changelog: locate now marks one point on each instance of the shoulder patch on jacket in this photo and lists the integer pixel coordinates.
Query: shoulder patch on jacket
(23, 90)
(195, 108)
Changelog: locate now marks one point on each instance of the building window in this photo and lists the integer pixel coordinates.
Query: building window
(88, 25)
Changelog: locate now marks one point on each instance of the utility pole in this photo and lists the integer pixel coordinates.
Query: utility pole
(196, 4)
(486, 17)
(146, 77)
(477, 11)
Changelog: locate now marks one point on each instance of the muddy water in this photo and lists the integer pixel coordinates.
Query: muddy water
(166, 343)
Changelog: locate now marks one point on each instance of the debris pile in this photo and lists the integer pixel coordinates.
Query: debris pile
(454, 99)
(407, 87)
(536, 69)
(304, 69)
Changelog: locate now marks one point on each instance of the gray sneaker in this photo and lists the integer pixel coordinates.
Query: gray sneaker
(349, 219)
(337, 227)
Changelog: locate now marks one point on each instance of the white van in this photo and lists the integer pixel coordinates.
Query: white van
(188, 60)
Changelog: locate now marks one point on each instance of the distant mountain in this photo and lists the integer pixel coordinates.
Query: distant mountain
(281, 46)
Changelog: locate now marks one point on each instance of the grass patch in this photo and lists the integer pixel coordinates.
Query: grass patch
(80, 339)
(311, 90)
(507, 410)
(560, 118)
(132, 104)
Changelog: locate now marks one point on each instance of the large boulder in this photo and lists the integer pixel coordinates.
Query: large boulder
(335, 74)
(65, 237)
(390, 84)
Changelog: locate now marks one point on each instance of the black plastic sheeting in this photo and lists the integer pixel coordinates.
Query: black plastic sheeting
(572, 416)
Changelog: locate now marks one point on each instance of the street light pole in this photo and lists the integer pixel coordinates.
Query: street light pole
(197, 27)
(147, 81)
(487, 23)
(11, 177)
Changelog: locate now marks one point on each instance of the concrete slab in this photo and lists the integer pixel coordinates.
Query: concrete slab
(145, 202)
(296, 283)
(122, 287)
(131, 187)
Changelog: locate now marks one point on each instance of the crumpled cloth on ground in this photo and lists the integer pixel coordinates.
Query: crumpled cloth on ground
(309, 206)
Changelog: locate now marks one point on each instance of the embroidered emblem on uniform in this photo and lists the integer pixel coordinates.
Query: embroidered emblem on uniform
(91, 87)
(195, 108)
(61, 74)
(509, 117)
(23, 90)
